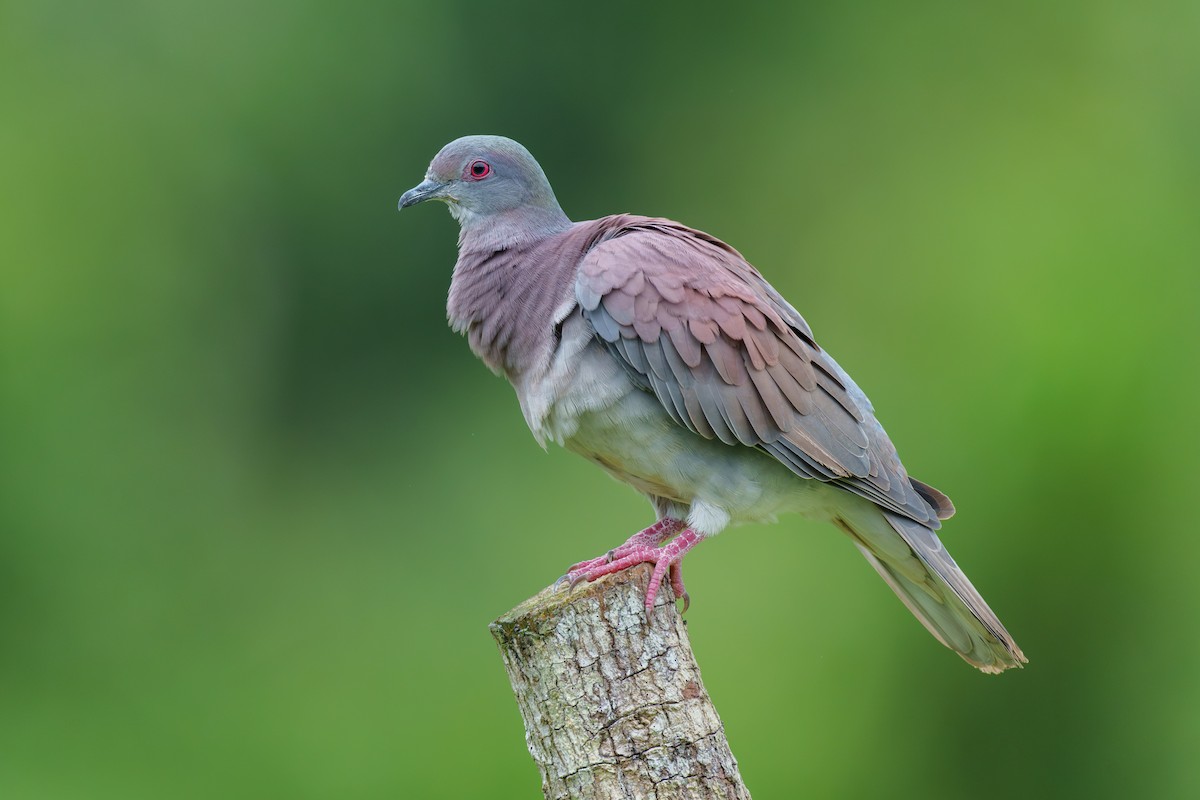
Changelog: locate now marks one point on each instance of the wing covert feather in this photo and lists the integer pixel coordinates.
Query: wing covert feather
(729, 358)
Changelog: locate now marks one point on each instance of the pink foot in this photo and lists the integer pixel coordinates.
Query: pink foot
(666, 559)
(653, 536)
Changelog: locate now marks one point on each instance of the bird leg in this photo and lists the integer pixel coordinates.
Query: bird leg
(653, 536)
(643, 548)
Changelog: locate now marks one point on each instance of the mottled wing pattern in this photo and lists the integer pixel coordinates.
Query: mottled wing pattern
(729, 358)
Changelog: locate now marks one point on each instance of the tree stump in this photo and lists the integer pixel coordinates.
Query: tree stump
(612, 701)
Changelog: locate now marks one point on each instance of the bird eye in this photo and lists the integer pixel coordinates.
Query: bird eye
(477, 170)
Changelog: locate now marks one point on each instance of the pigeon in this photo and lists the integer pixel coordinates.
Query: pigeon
(659, 353)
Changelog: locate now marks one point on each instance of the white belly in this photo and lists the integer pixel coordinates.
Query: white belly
(596, 410)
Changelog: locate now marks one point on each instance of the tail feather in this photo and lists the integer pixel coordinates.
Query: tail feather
(912, 560)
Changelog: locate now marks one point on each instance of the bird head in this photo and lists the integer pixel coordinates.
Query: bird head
(483, 177)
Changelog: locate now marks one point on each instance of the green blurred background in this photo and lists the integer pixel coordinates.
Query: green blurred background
(258, 504)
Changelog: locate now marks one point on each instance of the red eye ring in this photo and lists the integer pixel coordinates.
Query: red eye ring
(477, 170)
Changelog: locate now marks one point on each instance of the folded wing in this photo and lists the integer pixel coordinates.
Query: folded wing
(730, 359)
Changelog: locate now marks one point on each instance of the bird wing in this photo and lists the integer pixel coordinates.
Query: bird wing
(729, 358)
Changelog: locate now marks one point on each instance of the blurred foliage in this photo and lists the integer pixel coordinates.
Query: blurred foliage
(257, 503)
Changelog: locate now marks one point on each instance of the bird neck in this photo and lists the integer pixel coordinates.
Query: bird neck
(507, 229)
(507, 299)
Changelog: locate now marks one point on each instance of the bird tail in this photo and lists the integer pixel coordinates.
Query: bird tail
(911, 558)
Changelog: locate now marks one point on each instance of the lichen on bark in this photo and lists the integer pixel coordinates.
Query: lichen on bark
(612, 701)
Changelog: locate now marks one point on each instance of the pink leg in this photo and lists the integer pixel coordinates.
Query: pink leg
(665, 558)
(671, 558)
(653, 536)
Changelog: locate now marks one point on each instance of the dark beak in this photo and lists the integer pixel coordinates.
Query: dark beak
(425, 190)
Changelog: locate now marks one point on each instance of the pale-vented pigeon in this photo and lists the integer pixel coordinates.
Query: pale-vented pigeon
(659, 353)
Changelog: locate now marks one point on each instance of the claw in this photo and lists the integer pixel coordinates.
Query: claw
(578, 579)
(676, 576)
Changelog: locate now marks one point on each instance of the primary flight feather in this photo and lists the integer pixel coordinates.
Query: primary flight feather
(659, 353)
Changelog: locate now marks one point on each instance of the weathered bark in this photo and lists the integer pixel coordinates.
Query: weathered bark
(612, 702)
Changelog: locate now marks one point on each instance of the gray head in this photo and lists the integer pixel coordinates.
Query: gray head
(491, 184)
